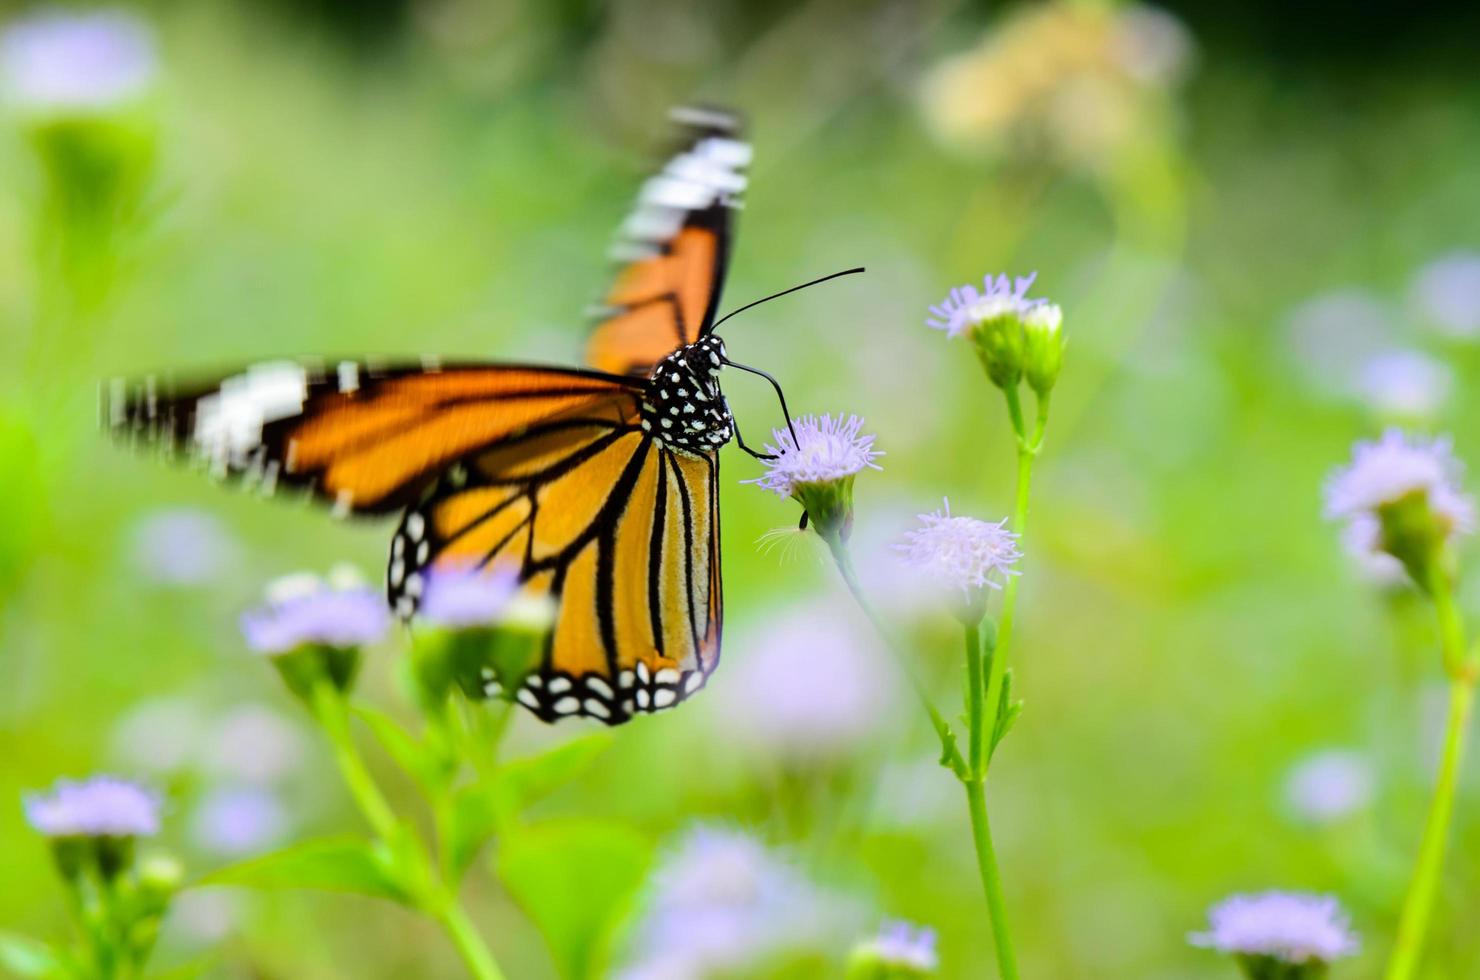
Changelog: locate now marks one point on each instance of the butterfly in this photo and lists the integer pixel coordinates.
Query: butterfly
(598, 484)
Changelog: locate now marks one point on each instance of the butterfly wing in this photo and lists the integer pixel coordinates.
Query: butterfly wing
(365, 439)
(675, 248)
(623, 534)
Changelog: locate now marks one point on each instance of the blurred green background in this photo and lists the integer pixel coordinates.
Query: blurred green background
(1261, 225)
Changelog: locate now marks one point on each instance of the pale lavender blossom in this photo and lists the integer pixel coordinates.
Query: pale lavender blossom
(809, 686)
(1405, 384)
(721, 902)
(1329, 785)
(252, 743)
(965, 306)
(160, 735)
(102, 806)
(825, 450)
(182, 546)
(961, 553)
(1447, 294)
(55, 61)
(1287, 926)
(234, 821)
(303, 610)
(1361, 539)
(903, 946)
(1392, 468)
(461, 596)
(1335, 335)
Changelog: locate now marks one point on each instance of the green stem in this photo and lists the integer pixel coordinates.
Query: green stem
(1418, 906)
(333, 714)
(975, 717)
(950, 754)
(470, 946)
(986, 859)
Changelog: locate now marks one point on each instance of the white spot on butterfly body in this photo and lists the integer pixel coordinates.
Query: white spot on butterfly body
(597, 708)
(667, 675)
(558, 685)
(663, 697)
(642, 672)
(416, 525)
(566, 706)
(397, 573)
(693, 683)
(349, 377)
(642, 698)
(528, 699)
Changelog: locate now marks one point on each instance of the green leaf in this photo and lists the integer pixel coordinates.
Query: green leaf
(27, 957)
(331, 864)
(477, 812)
(526, 780)
(576, 880)
(416, 759)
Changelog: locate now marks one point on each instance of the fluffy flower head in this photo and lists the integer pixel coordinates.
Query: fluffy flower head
(825, 450)
(1287, 926)
(304, 610)
(102, 806)
(1394, 467)
(463, 596)
(961, 553)
(965, 307)
(901, 946)
(1329, 785)
(75, 62)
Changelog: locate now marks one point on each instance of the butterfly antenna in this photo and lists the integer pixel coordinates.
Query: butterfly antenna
(767, 299)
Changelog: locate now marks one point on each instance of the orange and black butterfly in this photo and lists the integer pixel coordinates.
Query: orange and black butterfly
(599, 485)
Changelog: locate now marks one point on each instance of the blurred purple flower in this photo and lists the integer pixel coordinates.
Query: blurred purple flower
(825, 450)
(1287, 926)
(964, 306)
(810, 686)
(1386, 471)
(1361, 539)
(1405, 384)
(182, 546)
(465, 596)
(252, 743)
(238, 820)
(102, 806)
(1447, 293)
(1329, 785)
(159, 735)
(1334, 335)
(721, 901)
(303, 610)
(902, 946)
(961, 553)
(55, 61)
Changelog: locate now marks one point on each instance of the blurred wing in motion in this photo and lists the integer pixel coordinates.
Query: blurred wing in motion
(366, 440)
(675, 248)
(623, 534)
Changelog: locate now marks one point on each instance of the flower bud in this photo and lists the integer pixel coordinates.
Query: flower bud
(1043, 347)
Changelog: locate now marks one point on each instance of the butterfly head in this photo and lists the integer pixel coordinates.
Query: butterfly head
(683, 407)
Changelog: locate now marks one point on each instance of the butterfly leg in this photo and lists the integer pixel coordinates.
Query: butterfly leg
(740, 440)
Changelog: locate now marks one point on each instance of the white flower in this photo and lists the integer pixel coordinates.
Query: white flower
(75, 62)
(1386, 471)
(1287, 926)
(961, 553)
(825, 450)
(102, 806)
(1329, 785)
(1447, 293)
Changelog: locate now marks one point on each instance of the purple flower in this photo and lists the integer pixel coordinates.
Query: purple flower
(102, 806)
(251, 743)
(1406, 384)
(1287, 926)
(238, 820)
(900, 946)
(1329, 785)
(721, 902)
(465, 595)
(964, 307)
(961, 553)
(810, 686)
(182, 546)
(826, 450)
(1447, 293)
(58, 61)
(1394, 467)
(303, 610)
